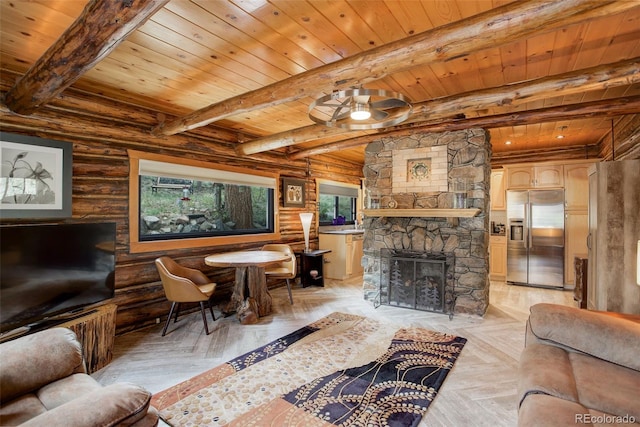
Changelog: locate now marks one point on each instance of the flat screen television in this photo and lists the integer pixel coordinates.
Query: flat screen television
(48, 272)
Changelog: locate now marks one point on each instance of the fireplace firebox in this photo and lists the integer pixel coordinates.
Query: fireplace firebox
(419, 281)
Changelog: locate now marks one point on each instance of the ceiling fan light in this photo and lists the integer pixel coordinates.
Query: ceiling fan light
(360, 111)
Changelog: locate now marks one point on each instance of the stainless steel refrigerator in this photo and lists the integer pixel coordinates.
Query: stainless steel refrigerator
(535, 237)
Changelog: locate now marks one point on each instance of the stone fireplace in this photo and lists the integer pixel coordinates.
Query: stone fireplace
(428, 199)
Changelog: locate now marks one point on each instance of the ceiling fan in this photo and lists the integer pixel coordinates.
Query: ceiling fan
(360, 109)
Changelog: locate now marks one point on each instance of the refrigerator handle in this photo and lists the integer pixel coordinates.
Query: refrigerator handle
(527, 226)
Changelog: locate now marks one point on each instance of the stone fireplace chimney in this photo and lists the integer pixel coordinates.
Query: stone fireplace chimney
(428, 193)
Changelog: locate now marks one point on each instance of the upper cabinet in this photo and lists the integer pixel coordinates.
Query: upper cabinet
(576, 186)
(542, 176)
(498, 200)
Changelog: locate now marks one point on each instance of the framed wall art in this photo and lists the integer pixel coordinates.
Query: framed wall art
(35, 177)
(293, 192)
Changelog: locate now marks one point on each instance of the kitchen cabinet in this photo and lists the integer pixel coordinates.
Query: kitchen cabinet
(576, 186)
(498, 257)
(344, 260)
(497, 194)
(576, 203)
(539, 176)
(576, 230)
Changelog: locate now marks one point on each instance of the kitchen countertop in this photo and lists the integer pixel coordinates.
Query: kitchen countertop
(352, 231)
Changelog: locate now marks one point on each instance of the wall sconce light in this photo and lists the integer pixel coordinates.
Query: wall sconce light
(305, 219)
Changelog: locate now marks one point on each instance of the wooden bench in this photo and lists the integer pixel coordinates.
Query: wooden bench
(171, 183)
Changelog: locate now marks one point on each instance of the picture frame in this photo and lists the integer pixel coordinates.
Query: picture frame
(293, 192)
(35, 177)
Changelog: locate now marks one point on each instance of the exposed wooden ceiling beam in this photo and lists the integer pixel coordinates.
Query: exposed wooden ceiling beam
(101, 27)
(605, 108)
(490, 29)
(600, 77)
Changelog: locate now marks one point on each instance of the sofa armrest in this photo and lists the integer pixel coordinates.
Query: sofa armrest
(32, 361)
(613, 338)
(120, 404)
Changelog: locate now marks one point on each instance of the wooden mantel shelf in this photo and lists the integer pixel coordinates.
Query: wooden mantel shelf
(422, 213)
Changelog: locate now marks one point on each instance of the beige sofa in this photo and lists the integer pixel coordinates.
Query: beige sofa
(579, 367)
(43, 382)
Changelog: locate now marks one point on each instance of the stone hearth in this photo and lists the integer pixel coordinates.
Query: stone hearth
(421, 171)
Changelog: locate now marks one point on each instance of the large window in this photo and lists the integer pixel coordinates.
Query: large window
(178, 201)
(337, 204)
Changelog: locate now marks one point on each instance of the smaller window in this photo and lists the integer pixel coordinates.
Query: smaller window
(337, 204)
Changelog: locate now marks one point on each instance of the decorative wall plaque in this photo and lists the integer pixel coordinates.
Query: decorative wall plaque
(418, 169)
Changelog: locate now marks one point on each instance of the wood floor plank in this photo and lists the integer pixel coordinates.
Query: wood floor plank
(480, 390)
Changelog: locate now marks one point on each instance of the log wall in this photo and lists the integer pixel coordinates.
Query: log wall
(101, 180)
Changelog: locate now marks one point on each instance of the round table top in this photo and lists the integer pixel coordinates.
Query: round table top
(245, 258)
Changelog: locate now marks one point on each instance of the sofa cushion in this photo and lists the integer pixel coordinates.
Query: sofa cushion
(120, 404)
(606, 387)
(20, 410)
(541, 410)
(69, 388)
(618, 339)
(55, 352)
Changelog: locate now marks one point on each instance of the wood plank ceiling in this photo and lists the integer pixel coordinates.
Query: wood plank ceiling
(254, 66)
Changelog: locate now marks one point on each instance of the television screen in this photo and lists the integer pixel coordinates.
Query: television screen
(50, 270)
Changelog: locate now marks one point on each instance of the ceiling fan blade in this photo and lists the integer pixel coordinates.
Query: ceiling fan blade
(342, 106)
(378, 114)
(361, 99)
(343, 116)
(389, 103)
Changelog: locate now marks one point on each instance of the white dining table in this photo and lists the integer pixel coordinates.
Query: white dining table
(251, 298)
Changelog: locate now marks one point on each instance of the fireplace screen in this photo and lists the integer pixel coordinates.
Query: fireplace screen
(416, 281)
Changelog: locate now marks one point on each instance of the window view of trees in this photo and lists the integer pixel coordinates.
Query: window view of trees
(336, 209)
(179, 208)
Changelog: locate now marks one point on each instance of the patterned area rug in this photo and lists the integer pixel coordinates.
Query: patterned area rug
(341, 370)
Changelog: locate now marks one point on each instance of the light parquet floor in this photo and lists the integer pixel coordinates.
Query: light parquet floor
(480, 390)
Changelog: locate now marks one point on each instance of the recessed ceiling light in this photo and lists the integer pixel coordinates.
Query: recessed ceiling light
(559, 136)
(507, 143)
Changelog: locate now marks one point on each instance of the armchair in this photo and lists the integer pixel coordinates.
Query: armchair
(183, 284)
(579, 366)
(43, 382)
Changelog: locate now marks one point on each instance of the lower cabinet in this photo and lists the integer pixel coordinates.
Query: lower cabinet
(345, 259)
(498, 257)
(576, 230)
